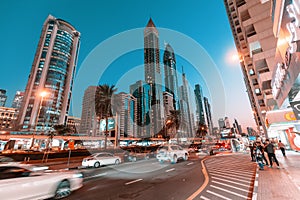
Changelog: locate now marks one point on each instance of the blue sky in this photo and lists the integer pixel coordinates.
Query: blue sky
(179, 22)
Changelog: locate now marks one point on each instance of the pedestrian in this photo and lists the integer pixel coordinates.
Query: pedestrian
(259, 158)
(252, 149)
(271, 153)
(281, 146)
(261, 148)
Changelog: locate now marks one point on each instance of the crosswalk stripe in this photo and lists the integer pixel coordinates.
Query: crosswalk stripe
(232, 172)
(241, 176)
(218, 195)
(230, 181)
(217, 182)
(237, 179)
(234, 193)
(203, 197)
(229, 170)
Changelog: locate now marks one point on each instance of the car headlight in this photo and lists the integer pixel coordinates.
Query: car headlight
(78, 175)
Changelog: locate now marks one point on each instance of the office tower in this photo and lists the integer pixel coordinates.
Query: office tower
(168, 103)
(199, 105)
(73, 123)
(126, 112)
(221, 123)
(18, 99)
(208, 115)
(3, 97)
(251, 26)
(185, 107)
(141, 91)
(89, 124)
(49, 88)
(171, 82)
(153, 76)
(8, 117)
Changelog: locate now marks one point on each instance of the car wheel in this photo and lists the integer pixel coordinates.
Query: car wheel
(97, 164)
(117, 162)
(134, 159)
(174, 159)
(63, 190)
(161, 161)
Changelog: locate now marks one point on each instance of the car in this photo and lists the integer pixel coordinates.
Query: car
(100, 159)
(194, 148)
(25, 181)
(6, 159)
(171, 153)
(135, 153)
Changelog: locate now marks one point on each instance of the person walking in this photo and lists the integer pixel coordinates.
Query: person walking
(259, 158)
(281, 146)
(271, 153)
(260, 146)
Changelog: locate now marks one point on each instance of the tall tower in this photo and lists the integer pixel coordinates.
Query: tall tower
(52, 73)
(89, 124)
(171, 82)
(18, 99)
(208, 115)
(153, 76)
(3, 97)
(199, 105)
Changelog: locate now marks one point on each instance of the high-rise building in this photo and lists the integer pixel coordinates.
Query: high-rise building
(89, 123)
(251, 26)
(141, 91)
(73, 123)
(199, 105)
(208, 115)
(127, 115)
(153, 76)
(3, 97)
(168, 103)
(171, 81)
(18, 99)
(49, 87)
(221, 123)
(185, 108)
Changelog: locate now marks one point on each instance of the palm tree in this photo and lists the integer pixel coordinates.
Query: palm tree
(103, 104)
(173, 121)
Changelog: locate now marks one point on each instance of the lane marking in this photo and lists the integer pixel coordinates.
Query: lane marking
(231, 175)
(217, 182)
(137, 180)
(237, 179)
(206, 181)
(218, 195)
(231, 171)
(97, 175)
(203, 197)
(230, 192)
(190, 163)
(169, 170)
(231, 182)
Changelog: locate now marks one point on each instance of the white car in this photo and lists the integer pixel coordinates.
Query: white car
(24, 181)
(99, 159)
(171, 153)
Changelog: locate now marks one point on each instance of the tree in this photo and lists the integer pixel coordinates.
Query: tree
(173, 122)
(103, 104)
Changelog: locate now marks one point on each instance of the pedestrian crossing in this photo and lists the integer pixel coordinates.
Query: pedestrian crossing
(230, 177)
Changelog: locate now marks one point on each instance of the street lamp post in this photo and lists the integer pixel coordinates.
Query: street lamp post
(42, 95)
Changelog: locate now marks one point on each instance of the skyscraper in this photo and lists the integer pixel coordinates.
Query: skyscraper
(17, 102)
(208, 115)
(171, 82)
(153, 76)
(3, 97)
(89, 124)
(199, 105)
(52, 73)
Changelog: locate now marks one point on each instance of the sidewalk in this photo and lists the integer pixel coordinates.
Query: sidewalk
(283, 183)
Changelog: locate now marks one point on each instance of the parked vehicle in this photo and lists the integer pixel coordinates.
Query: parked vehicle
(100, 159)
(171, 153)
(24, 181)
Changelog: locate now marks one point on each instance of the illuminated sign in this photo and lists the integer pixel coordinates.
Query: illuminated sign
(111, 124)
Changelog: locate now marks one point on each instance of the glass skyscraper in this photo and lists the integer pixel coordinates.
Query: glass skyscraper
(199, 105)
(52, 72)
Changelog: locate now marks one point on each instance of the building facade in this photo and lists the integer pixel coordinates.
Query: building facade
(8, 117)
(18, 99)
(153, 76)
(199, 105)
(73, 123)
(52, 74)
(89, 124)
(168, 103)
(208, 115)
(3, 97)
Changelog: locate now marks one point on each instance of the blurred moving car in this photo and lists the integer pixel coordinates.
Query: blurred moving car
(6, 159)
(100, 159)
(171, 153)
(24, 181)
(194, 148)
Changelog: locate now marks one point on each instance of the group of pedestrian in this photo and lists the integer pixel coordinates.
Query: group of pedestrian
(260, 149)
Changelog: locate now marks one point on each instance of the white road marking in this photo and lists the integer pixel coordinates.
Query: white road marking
(231, 171)
(218, 195)
(237, 179)
(234, 193)
(190, 163)
(231, 175)
(217, 182)
(97, 175)
(255, 183)
(169, 170)
(234, 182)
(203, 197)
(137, 180)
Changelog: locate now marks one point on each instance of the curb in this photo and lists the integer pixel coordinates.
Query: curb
(255, 188)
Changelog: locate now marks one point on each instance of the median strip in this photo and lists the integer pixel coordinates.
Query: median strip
(137, 180)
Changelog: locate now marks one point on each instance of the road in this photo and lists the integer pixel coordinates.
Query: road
(146, 179)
